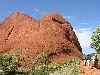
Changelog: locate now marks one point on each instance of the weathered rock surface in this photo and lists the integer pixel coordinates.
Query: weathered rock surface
(52, 34)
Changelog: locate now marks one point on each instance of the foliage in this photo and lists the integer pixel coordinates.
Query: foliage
(41, 58)
(42, 55)
(40, 67)
(40, 64)
(69, 68)
(8, 64)
(92, 54)
(95, 40)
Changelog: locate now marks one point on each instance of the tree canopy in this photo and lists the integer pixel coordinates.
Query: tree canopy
(95, 39)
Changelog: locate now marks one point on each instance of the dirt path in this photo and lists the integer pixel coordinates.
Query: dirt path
(90, 70)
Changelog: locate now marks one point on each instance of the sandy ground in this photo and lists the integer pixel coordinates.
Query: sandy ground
(90, 70)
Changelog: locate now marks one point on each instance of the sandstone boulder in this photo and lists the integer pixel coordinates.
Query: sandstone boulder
(27, 37)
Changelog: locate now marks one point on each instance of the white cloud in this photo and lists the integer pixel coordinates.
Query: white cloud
(83, 23)
(36, 10)
(68, 17)
(84, 36)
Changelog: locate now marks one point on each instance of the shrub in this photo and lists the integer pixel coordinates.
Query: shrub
(8, 64)
(40, 65)
(71, 67)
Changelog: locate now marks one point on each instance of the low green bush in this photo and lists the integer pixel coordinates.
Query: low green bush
(71, 67)
(8, 64)
(41, 66)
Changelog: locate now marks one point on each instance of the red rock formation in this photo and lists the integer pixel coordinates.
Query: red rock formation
(52, 34)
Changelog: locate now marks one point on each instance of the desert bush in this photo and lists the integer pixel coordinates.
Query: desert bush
(40, 65)
(71, 67)
(8, 64)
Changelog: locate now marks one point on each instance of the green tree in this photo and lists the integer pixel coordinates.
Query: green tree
(95, 39)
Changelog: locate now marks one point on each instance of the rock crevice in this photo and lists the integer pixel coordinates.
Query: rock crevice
(9, 33)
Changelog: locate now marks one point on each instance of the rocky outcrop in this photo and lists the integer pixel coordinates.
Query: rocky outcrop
(52, 34)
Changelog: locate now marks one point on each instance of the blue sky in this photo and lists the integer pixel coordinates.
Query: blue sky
(84, 15)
